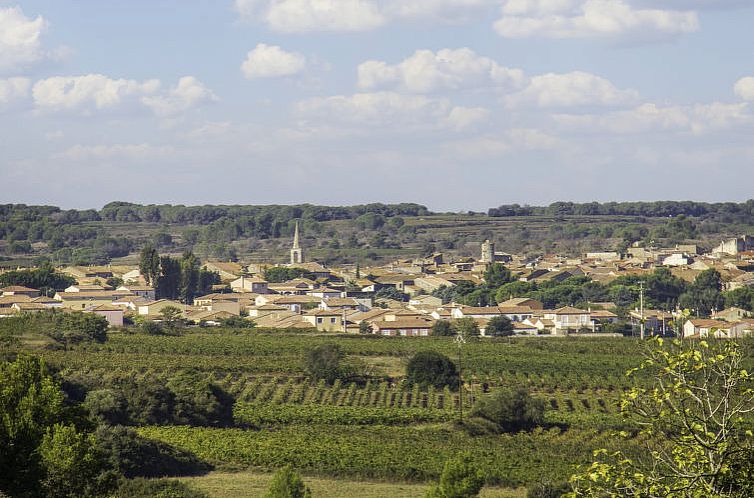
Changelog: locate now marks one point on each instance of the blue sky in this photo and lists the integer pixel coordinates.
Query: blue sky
(456, 104)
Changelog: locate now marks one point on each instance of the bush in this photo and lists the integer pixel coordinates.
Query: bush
(107, 406)
(429, 368)
(238, 322)
(510, 410)
(459, 479)
(151, 328)
(199, 401)
(287, 483)
(161, 488)
(323, 362)
(134, 456)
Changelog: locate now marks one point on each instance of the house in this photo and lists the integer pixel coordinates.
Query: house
(152, 309)
(677, 259)
(228, 271)
(144, 291)
(19, 290)
(542, 325)
(28, 307)
(266, 309)
(86, 288)
(326, 320)
(701, 327)
(132, 277)
(81, 300)
(297, 303)
(732, 314)
(341, 303)
(48, 302)
(250, 284)
(209, 317)
(522, 328)
(425, 300)
(325, 293)
(487, 312)
(600, 318)
(8, 301)
(568, 319)
(516, 313)
(407, 327)
(113, 314)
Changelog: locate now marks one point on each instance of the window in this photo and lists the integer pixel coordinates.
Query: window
(319, 319)
(332, 320)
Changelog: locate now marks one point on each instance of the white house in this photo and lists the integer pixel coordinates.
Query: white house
(568, 319)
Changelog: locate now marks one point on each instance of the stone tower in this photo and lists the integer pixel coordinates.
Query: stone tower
(297, 254)
(488, 252)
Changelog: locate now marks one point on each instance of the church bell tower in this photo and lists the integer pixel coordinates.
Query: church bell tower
(297, 254)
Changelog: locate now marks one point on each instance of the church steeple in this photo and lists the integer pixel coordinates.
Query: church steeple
(297, 254)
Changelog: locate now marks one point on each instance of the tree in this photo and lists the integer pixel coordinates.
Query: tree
(171, 317)
(704, 294)
(169, 281)
(365, 327)
(466, 326)
(510, 410)
(442, 328)
(287, 483)
(429, 368)
(691, 418)
(324, 362)
(499, 326)
(189, 277)
(149, 264)
(496, 275)
(460, 478)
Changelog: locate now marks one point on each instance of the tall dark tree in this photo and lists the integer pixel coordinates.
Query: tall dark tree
(189, 277)
(149, 264)
(169, 282)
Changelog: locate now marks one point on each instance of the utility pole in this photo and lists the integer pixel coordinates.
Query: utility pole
(641, 309)
(460, 341)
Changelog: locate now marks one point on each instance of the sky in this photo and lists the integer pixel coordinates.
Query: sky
(455, 104)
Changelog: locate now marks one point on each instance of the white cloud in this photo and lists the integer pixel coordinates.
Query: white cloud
(427, 71)
(389, 109)
(20, 43)
(188, 93)
(271, 61)
(88, 92)
(744, 88)
(569, 90)
(13, 90)
(591, 18)
(96, 92)
(647, 118)
(296, 16)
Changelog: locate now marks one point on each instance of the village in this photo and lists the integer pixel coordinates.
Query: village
(351, 299)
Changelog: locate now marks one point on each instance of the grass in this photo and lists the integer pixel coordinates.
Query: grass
(247, 484)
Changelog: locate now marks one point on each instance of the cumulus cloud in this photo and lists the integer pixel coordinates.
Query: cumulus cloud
(649, 117)
(591, 18)
(96, 92)
(188, 93)
(390, 109)
(20, 43)
(570, 90)
(744, 88)
(271, 61)
(426, 71)
(13, 90)
(297, 16)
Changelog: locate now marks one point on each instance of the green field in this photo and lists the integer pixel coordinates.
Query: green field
(379, 433)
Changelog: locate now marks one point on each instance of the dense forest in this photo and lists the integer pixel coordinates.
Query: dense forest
(349, 234)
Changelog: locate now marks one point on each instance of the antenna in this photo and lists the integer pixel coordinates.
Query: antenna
(641, 308)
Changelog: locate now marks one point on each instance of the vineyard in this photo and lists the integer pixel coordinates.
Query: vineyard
(379, 427)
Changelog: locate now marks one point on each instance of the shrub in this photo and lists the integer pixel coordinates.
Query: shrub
(547, 489)
(459, 479)
(323, 362)
(160, 488)
(199, 401)
(429, 368)
(511, 410)
(151, 328)
(107, 406)
(287, 483)
(499, 326)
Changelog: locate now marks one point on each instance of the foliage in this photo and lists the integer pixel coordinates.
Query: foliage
(44, 278)
(497, 275)
(429, 368)
(74, 466)
(692, 420)
(279, 274)
(238, 322)
(499, 326)
(548, 489)
(466, 326)
(704, 294)
(442, 328)
(151, 328)
(390, 293)
(510, 410)
(157, 488)
(199, 401)
(324, 362)
(171, 317)
(460, 478)
(149, 264)
(287, 483)
(365, 327)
